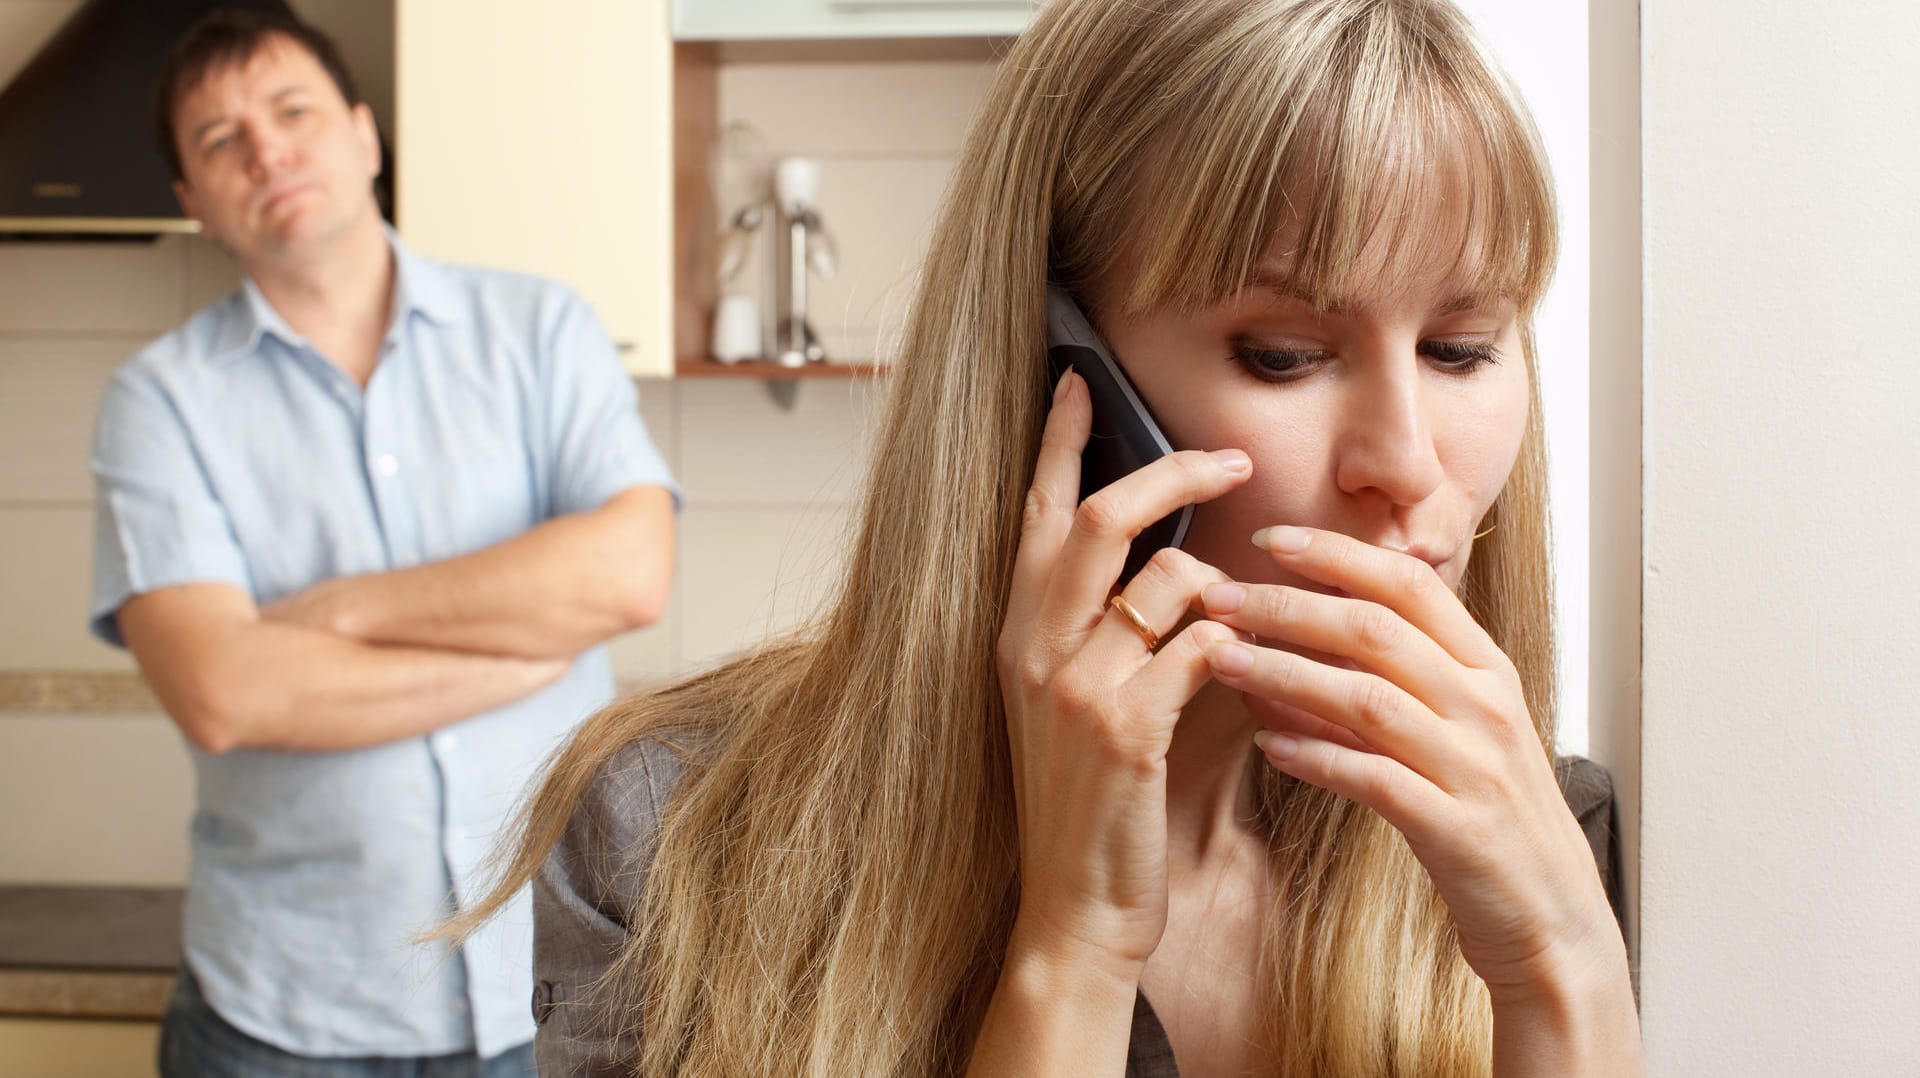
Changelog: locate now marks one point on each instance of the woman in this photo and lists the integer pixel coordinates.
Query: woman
(975, 816)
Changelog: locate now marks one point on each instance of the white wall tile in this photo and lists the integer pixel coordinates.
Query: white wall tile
(739, 446)
(660, 410)
(880, 215)
(112, 796)
(863, 109)
(49, 394)
(133, 289)
(750, 573)
(210, 273)
(651, 654)
(46, 582)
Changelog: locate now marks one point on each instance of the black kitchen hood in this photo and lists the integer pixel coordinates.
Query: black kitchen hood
(77, 154)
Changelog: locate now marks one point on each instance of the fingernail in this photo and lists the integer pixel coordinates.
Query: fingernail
(1223, 598)
(1230, 659)
(1284, 539)
(1233, 461)
(1276, 746)
(1060, 390)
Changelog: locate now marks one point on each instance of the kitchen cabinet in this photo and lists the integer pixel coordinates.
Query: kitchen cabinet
(540, 138)
(785, 20)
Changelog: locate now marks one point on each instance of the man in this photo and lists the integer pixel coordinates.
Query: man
(364, 524)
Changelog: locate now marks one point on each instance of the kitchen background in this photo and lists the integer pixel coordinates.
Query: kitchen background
(768, 487)
(1752, 618)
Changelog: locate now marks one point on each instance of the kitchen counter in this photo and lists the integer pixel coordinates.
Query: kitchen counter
(75, 692)
(88, 952)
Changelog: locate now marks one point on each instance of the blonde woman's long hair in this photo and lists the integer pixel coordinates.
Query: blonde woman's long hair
(836, 872)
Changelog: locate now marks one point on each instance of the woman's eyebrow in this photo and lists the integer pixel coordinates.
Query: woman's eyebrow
(1473, 301)
(1282, 284)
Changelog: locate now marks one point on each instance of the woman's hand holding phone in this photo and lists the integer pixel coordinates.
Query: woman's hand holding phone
(1090, 708)
(1433, 733)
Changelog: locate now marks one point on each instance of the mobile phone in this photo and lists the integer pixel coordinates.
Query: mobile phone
(1125, 437)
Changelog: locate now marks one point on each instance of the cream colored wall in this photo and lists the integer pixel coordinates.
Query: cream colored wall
(768, 489)
(1780, 931)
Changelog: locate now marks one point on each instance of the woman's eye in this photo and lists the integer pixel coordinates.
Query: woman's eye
(1459, 357)
(1275, 364)
(1287, 364)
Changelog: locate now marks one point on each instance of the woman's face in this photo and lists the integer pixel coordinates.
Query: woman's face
(1395, 417)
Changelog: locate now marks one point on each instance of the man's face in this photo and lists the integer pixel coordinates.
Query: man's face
(274, 161)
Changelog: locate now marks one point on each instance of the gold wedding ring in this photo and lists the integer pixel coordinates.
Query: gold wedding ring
(1147, 635)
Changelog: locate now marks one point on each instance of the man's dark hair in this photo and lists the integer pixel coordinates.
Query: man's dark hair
(231, 36)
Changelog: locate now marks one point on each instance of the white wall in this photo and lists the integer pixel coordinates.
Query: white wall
(1543, 46)
(1780, 897)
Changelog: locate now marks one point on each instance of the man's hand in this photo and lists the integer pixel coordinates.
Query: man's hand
(326, 606)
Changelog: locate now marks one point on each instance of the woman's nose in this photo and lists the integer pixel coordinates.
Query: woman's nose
(1386, 442)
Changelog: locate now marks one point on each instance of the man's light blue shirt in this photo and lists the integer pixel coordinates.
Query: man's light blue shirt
(229, 451)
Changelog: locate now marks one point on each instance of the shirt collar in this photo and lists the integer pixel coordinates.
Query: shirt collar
(419, 287)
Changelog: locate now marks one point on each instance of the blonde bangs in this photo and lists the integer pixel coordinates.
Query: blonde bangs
(1371, 143)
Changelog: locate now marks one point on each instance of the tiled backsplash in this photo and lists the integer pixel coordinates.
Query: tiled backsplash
(769, 490)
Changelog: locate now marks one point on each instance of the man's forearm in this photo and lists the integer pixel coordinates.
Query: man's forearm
(552, 592)
(287, 687)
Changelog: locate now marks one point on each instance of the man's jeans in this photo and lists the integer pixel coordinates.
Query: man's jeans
(197, 1043)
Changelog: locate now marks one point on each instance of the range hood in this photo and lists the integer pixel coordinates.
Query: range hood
(77, 154)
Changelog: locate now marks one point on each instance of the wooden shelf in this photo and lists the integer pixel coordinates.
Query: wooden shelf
(767, 370)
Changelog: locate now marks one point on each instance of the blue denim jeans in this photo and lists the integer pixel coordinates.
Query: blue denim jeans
(197, 1043)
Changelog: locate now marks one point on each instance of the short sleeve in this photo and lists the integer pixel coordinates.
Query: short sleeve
(157, 521)
(598, 442)
(581, 899)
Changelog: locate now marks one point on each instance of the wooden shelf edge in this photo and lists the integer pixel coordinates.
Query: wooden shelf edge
(766, 370)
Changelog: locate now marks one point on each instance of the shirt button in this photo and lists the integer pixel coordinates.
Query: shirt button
(458, 834)
(446, 742)
(386, 464)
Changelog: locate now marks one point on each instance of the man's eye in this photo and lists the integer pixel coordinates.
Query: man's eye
(1275, 364)
(220, 143)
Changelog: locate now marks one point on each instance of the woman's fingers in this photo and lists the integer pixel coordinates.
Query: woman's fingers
(1375, 710)
(1413, 805)
(1371, 634)
(1104, 526)
(1171, 678)
(1052, 497)
(1399, 581)
(1287, 719)
(1165, 591)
